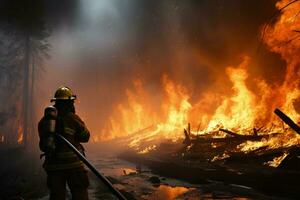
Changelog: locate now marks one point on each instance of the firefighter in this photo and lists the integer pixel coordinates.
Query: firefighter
(61, 164)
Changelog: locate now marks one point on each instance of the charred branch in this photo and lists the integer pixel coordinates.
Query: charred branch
(187, 139)
(287, 120)
(230, 133)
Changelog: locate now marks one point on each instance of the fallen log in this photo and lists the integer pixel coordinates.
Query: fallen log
(287, 120)
(236, 137)
(230, 133)
(228, 140)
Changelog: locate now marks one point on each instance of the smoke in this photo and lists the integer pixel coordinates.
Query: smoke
(100, 47)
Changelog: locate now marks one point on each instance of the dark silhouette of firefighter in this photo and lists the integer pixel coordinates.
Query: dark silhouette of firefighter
(61, 164)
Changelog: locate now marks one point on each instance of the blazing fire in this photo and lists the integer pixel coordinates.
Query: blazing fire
(237, 111)
(249, 104)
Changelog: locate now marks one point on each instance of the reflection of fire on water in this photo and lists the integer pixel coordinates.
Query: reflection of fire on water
(249, 105)
(168, 193)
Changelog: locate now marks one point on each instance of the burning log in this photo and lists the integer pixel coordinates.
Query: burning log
(287, 120)
(291, 161)
(229, 140)
(230, 132)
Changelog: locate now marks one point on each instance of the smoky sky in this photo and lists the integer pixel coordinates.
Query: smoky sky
(100, 46)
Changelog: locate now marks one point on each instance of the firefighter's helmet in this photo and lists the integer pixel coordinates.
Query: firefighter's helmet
(63, 93)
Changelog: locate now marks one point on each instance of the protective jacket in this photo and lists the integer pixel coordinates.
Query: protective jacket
(73, 129)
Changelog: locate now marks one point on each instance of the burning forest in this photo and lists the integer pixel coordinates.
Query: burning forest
(227, 130)
(180, 99)
(246, 109)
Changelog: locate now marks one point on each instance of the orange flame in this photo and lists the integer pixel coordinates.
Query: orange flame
(283, 38)
(237, 111)
(176, 106)
(241, 110)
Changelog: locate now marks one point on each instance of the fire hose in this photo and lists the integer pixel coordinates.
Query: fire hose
(116, 192)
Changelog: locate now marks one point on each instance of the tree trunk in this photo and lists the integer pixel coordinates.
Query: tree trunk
(32, 102)
(26, 89)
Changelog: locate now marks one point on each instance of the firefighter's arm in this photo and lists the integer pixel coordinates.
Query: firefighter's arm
(82, 133)
(42, 135)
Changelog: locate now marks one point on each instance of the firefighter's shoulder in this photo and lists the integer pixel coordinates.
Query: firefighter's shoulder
(75, 117)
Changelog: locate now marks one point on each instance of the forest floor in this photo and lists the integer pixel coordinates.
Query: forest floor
(21, 174)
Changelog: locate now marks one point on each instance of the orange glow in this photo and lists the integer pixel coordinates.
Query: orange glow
(237, 111)
(134, 115)
(176, 106)
(168, 193)
(137, 114)
(248, 103)
(147, 150)
(282, 38)
(277, 160)
(20, 135)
